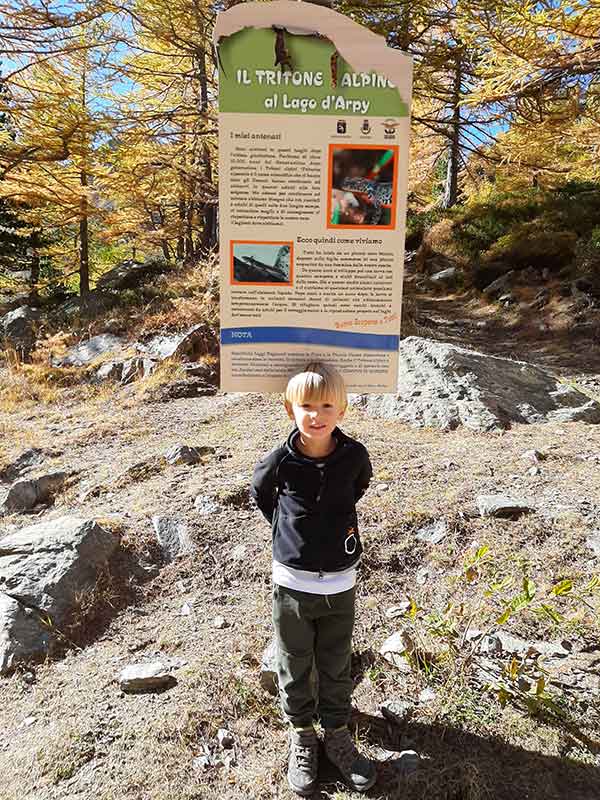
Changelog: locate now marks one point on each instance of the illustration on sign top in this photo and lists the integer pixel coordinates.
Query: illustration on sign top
(362, 187)
(262, 263)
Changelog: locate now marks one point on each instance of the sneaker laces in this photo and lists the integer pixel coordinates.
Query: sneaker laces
(305, 749)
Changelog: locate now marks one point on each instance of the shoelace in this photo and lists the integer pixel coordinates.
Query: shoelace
(305, 749)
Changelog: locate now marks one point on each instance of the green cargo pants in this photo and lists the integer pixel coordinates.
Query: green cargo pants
(314, 629)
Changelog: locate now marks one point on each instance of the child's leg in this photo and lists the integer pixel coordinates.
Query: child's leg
(294, 626)
(333, 652)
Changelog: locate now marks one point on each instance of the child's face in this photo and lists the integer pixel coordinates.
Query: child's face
(315, 419)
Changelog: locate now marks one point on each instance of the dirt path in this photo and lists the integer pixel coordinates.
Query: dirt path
(469, 322)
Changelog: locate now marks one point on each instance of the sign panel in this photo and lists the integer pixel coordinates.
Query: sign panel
(313, 152)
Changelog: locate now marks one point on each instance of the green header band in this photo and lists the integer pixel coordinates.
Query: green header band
(309, 83)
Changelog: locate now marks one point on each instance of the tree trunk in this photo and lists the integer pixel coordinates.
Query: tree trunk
(84, 243)
(451, 190)
(181, 228)
(189, 221)
(209, 233)
(35, 266)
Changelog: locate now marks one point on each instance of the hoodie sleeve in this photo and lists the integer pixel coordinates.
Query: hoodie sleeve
(364, 477)
(264, 485)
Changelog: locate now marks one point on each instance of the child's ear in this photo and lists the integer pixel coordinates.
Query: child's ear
(289, 409)
(341, 413)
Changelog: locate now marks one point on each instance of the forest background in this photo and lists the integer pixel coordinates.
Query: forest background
(108, 130)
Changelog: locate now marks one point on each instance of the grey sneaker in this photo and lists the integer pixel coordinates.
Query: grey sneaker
(303, 761)
(358, 772)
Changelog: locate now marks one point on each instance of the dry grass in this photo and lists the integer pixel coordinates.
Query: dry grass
(91, 741)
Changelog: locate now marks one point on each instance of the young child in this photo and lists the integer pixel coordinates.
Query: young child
(307, 489)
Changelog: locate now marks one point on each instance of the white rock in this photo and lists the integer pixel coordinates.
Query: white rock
(148, 676)
(533, 455)
(220, 623)
(427, 696)
(393, 649)
(593, 542)
(398, 611)
(500, 505)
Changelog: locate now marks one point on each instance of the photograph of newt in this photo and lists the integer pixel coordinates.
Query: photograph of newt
(363, 187)
(262, 263)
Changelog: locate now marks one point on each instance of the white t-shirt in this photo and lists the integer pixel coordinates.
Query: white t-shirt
(314, 582)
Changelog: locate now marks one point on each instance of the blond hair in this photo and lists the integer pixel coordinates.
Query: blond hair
(318, 383)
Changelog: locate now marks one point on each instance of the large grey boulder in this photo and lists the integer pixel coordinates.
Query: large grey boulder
(446, 278)
(84, 353)
(25, 495)
(26, 461)
(177, 345)
(129, 274)
(43, 570)
(18, 328)
(444, 386)
(23, 636)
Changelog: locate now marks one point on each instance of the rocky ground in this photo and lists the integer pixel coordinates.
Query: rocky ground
(468, 700)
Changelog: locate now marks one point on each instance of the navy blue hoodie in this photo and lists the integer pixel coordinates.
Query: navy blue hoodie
(311, 503)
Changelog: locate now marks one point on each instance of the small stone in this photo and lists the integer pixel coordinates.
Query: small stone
(202, 762)
(239, 552)
(220, 623)
(427, 696)
(29, 721)
(533, 455)
(382, 487)
(396, 710)
(499, 505)
(173, 537)
(205, 505)
(146, 677)
(533, 471)
(186, 610)
(422, 576)
(593, 542)
(182, 454)
(225, 738)
(398, 611)
(393, 650)
(433, 533)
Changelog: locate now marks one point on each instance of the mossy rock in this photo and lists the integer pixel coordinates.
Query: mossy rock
(528, 245)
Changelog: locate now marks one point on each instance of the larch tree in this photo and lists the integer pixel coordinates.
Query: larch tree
(167, 122)
(541, 65)
(54, 102)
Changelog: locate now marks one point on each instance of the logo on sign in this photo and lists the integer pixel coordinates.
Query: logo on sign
(390, 126)
(342, 126)
(366, 127)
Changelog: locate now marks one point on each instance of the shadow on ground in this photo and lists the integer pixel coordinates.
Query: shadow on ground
(456, 765)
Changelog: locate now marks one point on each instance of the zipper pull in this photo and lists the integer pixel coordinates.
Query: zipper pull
(320, 574)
